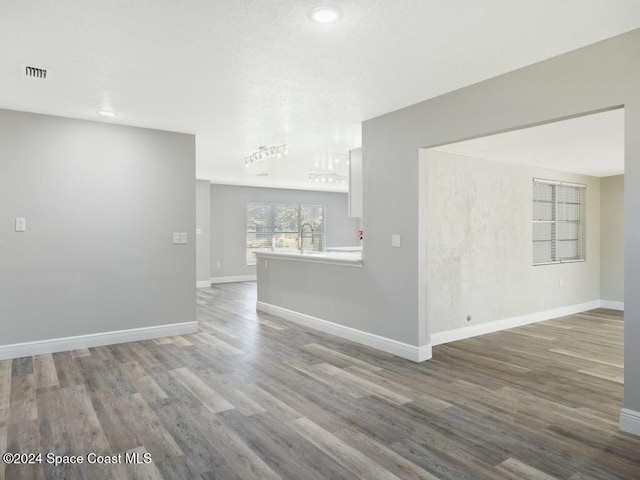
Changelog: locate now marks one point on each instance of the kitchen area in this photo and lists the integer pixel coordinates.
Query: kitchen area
(303, 247)
(309, 244)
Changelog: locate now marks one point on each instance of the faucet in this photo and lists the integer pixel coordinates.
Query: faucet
(300, 237)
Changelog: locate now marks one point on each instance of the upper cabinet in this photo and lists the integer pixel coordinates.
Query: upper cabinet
(355, 183)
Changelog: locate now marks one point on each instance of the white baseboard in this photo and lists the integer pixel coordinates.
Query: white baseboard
(203, 283)
(18, 350)
(447, 336)
(630, 421)
(238, 278)
(612, 305)
(404, 350)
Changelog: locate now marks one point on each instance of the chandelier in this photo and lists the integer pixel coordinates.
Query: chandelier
(264, 152)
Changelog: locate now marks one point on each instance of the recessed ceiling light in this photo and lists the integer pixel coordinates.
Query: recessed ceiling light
(325, 14)
(106, 113)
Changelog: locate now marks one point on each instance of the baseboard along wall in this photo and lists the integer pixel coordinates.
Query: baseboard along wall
(611, 305)
(422, 353)
(237, 278)
(404, 350)
(438, 338)
(18, 350)
(630, 421)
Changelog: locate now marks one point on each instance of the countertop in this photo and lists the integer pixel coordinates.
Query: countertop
(344, 249)
(347, 259)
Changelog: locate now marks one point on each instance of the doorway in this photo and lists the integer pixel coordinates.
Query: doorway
(479, 230)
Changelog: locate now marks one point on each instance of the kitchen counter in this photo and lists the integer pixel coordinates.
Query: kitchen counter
(344, 258)
(344, 249)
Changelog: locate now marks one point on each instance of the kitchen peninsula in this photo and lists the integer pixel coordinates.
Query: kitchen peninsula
(335, 256)
(328, 291)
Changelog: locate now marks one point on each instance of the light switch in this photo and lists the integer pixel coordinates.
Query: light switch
(21, 225)
(198, 231)
(395, 241)
(176, 238)
(184, 238)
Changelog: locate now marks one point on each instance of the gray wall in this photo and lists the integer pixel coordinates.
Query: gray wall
(228, 222)
(101, 204)
(203, 224)
(597, 77)
(612, 238)
(478, 241)
(310, 288)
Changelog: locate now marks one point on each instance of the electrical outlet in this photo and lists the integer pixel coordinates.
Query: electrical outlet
(176, 238)
(218, 264)
(21, 225)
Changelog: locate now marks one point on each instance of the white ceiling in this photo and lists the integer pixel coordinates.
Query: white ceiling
(590, 145)
(245, 73)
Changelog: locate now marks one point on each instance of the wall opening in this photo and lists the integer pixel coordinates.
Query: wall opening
(477, 231)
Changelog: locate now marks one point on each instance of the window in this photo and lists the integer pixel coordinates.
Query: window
(559, 222)
(275, 226)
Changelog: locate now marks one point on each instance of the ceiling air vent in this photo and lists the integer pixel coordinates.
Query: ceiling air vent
(35, 72)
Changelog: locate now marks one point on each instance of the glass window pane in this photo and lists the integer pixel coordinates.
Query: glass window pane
(542, 252)
(563, 237)
(567, 231)
(256, 242)
(569, 194)
(276, 226)
(543, 231)
(313, 214)
(285, 240)
(258, 217)
(568, 211)
(543, 210)
(568, 250)
(543, 191)
(285, 217)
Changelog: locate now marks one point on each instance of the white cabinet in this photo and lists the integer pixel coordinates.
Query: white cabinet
(355, 183)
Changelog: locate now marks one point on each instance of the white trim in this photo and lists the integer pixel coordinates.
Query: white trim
(447, 336)
(630, 421)
(203, 283)
(18, 350)
(237, 278)
(344, 259)
(611, 305)
(558, 182)
(404, 350)
(424, 353)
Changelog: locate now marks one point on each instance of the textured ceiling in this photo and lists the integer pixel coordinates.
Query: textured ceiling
(245, 73)
(590, 145)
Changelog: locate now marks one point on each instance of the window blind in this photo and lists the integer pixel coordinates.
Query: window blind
(559, 222)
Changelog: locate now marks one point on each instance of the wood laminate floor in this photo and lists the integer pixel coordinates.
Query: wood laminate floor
(253, 396)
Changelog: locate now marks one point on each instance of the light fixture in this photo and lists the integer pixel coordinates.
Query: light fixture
(327, 178)
(106, 113)
(325, 14)
(265, 152)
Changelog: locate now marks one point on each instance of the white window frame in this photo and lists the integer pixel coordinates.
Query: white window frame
(555, 221)
(319, 236)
